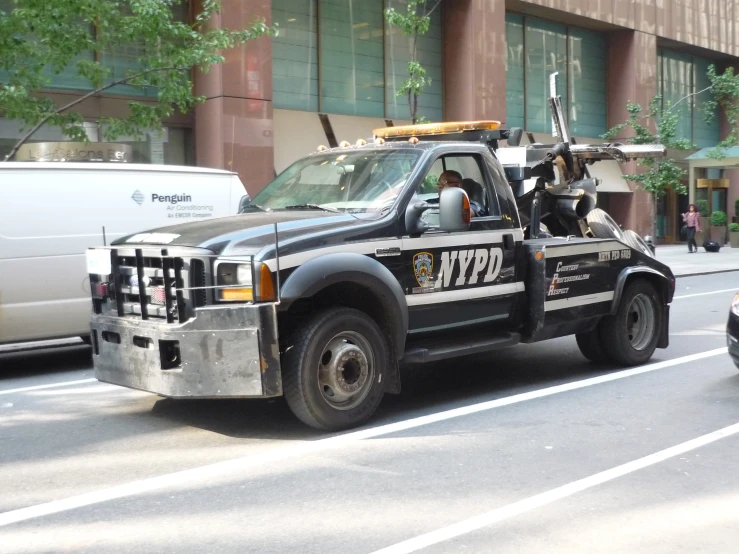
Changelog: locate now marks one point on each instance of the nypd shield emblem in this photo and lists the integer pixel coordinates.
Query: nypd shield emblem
(423, 268)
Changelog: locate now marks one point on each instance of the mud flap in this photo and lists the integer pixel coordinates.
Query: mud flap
(664, 335)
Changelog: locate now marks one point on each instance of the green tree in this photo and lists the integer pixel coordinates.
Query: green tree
(725, 88)
(413, 23)
(659, 175)
(41, 38)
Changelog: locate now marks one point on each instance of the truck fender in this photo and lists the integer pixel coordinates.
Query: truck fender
(628, 272)
(321, 272)
(664, 339)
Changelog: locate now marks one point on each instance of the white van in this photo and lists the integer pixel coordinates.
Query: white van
(50, 213)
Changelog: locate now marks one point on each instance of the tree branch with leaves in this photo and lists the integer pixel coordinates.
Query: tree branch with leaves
(659, 175)
(415, 22)
(725, 88)
(40, 39)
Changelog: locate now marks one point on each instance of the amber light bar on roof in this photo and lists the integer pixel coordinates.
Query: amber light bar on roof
(436, 128)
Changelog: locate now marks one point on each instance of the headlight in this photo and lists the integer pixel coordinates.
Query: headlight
(735, 305)
(237, 280)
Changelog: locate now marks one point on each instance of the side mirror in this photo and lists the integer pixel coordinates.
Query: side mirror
(455, 213)
(244, 203)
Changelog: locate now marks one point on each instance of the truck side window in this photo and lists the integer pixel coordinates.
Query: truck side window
(469, 166)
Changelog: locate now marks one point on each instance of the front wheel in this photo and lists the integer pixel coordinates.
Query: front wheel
(630, 336)
(333, 372)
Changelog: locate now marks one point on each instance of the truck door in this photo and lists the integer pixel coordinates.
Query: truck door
(467, 278)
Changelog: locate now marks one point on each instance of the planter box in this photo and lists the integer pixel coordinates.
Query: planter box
(718, 234)
(734, 239)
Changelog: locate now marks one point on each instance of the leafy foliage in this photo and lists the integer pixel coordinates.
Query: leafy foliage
(734, 227)
(725, 88)
(413, 24)
(736, 207)
(39, 38)
(718, 219)
(430, 184)
(660, 175)
(702, 207)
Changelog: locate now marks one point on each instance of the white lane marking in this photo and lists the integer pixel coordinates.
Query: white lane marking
(564, 303)
(463, 294)
(553, 495)
(735, 289)
(219, 469)
(52, 385)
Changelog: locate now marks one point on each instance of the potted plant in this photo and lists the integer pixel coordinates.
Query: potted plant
(734, 234)
(718, 227)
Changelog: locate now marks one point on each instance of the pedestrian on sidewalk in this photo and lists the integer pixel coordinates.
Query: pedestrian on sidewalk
(692, 221)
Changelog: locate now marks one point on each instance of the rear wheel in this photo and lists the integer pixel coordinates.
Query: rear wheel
(333, 373)
(603, 226)
(591, 346)
(631, 335)
(637, 243)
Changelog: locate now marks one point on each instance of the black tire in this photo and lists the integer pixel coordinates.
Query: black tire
(336, 351)
(630, 336)
(603, 226)
(591, 346)
(637, 243)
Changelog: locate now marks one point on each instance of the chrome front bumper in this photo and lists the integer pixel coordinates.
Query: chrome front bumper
(224, 351)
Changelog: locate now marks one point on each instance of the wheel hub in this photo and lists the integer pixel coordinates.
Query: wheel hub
(640, 322)
(344, 373)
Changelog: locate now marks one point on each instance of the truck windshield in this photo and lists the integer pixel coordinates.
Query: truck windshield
(356, 182)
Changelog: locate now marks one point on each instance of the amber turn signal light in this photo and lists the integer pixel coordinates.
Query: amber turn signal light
(266, 285)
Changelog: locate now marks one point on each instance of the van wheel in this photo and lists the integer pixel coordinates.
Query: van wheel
(333, 372)
(591, 346)
(603, 226)
(630, 336)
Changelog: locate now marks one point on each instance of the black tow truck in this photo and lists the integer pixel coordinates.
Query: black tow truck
(350, 263)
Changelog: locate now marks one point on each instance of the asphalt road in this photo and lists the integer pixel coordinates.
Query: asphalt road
(531, 449)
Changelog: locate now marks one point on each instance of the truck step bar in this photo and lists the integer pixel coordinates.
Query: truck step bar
(422, 353)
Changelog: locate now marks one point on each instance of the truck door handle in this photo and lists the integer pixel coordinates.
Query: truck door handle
(508, 242)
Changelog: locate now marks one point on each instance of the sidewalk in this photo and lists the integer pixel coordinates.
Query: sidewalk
(702, 263)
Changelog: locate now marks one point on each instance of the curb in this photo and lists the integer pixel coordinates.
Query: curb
(15, 347)
(697, 273)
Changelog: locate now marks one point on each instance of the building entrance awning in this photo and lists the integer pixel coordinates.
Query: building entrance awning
(701, 161)
(702, 158)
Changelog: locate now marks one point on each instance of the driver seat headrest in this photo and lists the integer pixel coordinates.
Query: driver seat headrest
(474, 190)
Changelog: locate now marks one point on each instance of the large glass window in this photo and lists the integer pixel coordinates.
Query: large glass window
(339, 56)
(515, 62)
(535, 50)
(397, 56)
(295, 55)
(587, 83)
(679, 76)
(351, 44)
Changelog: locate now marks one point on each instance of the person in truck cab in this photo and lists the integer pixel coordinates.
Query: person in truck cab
(451, 178)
